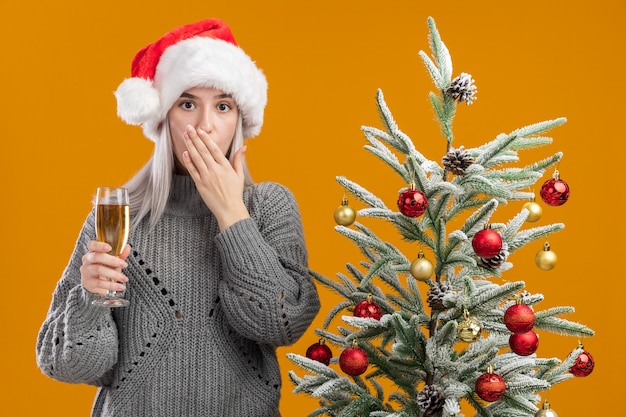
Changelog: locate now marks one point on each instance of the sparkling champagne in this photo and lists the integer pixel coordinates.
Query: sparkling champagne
(112, 225)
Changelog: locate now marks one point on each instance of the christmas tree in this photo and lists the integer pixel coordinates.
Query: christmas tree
(450, 330)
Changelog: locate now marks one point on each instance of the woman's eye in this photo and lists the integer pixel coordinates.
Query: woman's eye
(223, 107)
(187, 105)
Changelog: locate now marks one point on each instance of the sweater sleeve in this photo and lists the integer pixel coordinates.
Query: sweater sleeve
(266, 291)
(77, 342)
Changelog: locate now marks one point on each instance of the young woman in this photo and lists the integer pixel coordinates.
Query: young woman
(216, 271)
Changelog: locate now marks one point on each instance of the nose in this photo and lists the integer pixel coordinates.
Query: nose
(205, 121)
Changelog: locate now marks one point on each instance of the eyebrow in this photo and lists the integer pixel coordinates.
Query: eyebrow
(187, 95)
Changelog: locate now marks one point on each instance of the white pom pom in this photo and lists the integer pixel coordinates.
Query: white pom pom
(137, 101)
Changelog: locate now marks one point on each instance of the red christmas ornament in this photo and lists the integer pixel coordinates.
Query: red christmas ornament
(353, 361)
(487, 243)
(583, 365)
(524, 344)
(412, 202)
(519, 318)
(554, 192)
(490, 387)
(368, 308)
(319, 352)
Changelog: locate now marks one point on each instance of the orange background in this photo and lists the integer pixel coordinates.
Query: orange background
(532, 61)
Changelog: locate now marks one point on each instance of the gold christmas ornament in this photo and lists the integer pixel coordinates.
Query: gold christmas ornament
(546, 411)
(545, 258)
(344, 214)
(469, 329)
(534, 210)
(421, 268)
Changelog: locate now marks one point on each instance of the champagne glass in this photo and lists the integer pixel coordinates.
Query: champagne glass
(112, 226)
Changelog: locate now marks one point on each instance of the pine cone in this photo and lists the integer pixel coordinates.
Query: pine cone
(462, 89)
(457, 161)
(430, 400)
(435, 295)
(496, 261)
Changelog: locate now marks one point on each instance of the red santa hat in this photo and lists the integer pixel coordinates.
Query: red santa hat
(202, 54)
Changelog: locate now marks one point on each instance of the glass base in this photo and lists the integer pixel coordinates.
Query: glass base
(110, 302)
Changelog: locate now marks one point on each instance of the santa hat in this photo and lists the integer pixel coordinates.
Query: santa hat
(202, 54)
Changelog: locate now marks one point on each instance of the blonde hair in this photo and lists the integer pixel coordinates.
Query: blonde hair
(149, 189)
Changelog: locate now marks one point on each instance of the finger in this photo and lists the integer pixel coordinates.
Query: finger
(203, 158)
(194, 160)
(97, 246)
(212, 147)
(98, 279)
(190, 166)
(238, 160)
(104, 285)
(200, 143)
(207, 149)
(125, 253)
(107, 274)
(103, 258)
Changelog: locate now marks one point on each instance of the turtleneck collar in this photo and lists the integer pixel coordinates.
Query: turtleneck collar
(184, 199)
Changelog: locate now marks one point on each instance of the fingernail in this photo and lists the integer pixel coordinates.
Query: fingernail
(123, 264)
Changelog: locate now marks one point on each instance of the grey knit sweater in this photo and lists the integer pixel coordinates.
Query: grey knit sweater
(207, 311)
